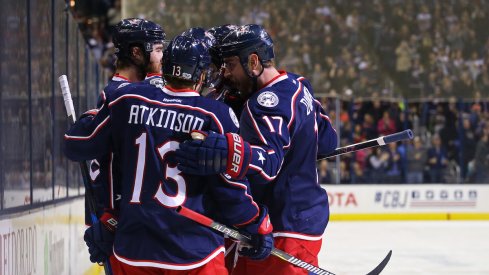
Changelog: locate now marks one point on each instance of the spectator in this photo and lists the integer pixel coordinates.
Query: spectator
(324, 172)
(437, 160)
(416, 161)
(394, 167)
(377, 164)
(481, 158)
(386, 125)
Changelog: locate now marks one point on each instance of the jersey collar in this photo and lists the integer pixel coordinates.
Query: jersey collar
(282, 75)
(150, 75)
(180, 92)
(118, 77)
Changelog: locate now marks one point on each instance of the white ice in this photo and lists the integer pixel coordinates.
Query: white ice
(419, 247)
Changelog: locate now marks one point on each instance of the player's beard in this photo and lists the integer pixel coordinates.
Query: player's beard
(245, 86)
(154, 68)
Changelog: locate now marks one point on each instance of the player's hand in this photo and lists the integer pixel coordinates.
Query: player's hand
(261, 243)
(214, 154)
(100, 238)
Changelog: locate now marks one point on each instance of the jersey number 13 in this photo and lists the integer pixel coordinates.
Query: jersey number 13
(170, 173)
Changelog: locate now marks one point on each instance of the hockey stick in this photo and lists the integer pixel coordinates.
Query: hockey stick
(406, 134)
(206, 221)
(89, 196)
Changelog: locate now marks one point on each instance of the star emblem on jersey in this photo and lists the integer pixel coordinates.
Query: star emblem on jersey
(268, 99)
(261, 157)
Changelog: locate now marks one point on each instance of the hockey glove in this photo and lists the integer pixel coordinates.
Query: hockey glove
(100, 238)
(215, 154)
(260, 231)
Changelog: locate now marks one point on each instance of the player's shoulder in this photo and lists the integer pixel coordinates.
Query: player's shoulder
(115, 84)
(275, 95)
(141, 88)
(296, 77)
(221, 111)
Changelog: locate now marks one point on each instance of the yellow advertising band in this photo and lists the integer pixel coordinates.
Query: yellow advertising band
(408, 216)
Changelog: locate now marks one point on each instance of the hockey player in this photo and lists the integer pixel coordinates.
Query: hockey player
(220, 88)
(145, 123)
(286, 129)
(139, 49)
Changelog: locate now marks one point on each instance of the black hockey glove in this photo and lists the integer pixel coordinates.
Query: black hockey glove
(260, 231)
(100, 238)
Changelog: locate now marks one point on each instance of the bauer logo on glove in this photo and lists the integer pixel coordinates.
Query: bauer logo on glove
(212, 153)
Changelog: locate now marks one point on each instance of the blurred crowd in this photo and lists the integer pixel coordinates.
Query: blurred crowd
(390, 64)
(419, 49)
(450, 145)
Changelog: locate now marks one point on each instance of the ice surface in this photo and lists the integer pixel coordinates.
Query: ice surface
(419, 247)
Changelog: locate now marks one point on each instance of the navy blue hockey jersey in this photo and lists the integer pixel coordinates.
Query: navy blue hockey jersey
(144, 123)
(287, 128)
(103, 173)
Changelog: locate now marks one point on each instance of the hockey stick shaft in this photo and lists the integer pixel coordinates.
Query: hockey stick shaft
(89, 195)
(404, 135)
(206, 221)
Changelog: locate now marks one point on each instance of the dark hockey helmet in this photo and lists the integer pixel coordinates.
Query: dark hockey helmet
(185, 58)
(201, 34)
(246, 40)
(137, 32)
(219, 32)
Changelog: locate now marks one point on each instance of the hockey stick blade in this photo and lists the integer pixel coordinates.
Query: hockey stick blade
(382, 265)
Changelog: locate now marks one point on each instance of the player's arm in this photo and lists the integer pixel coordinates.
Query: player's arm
(327, 136)
(268, 133)
(218, 150)
(89, 137)
(238, 208)
(259, 152)
(234, 199)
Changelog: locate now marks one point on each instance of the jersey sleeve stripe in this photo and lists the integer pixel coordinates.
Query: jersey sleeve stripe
(111, 181)
(164, 265)
(255, 125)
(297, 236)
(263, 174)
(97, 129)
(292, 105)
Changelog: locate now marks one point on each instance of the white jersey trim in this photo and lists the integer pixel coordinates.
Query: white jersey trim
(102, 124)
(187, 94)
(255, 124)
(171, 266)
(297, 236)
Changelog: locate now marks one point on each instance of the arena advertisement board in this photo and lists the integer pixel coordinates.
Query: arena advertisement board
(48, 241)
(408, 202)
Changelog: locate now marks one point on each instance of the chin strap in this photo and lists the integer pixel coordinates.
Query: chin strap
(254, 78)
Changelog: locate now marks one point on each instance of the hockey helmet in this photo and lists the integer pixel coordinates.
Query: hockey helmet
(185, 58)
(219, 32)
(201, 34)
(137, 32)
(246, 40)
